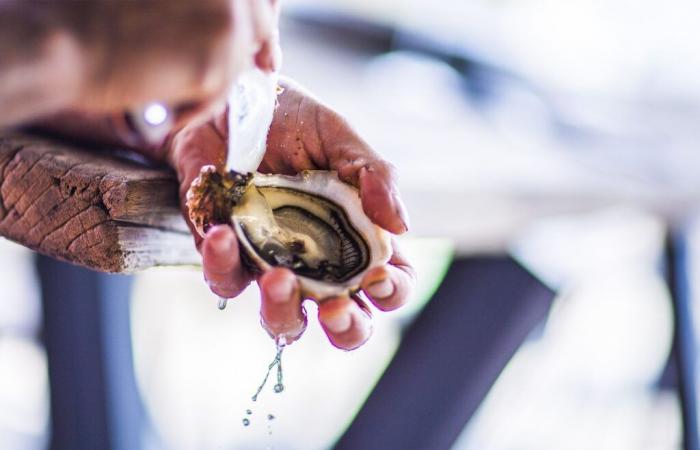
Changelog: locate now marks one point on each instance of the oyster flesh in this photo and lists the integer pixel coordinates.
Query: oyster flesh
(312, 223)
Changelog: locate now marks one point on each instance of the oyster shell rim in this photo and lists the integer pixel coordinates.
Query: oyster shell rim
(325, 184)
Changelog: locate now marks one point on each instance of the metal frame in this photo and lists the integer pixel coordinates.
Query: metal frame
(95, 403)
(684, 352)
(450, 357)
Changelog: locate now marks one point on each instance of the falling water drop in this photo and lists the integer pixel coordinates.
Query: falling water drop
(279, 387)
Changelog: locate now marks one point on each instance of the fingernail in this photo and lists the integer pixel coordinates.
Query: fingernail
(282, 290)
(401, 211)
(338, 323)
(381, 289)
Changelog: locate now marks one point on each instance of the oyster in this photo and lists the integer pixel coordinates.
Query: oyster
(312, 223)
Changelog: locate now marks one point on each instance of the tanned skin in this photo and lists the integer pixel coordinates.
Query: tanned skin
(81, 72)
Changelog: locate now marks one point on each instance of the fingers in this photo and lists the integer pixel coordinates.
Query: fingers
(195, 146)
(358, 164)
(380, 197)
(346, 321)
(307, 135)
(281, 310)
(389, 287)
(222, 263)
(192, 148)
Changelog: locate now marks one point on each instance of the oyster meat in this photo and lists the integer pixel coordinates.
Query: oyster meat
(312, 223)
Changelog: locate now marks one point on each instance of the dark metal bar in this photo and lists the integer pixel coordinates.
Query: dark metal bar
(94, 400)
(685, 349)
(450, 357)
(126, 412)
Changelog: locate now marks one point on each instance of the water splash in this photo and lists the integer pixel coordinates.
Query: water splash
(277, 362)
(278, 387)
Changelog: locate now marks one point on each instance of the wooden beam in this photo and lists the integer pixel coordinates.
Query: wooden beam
(88, 207)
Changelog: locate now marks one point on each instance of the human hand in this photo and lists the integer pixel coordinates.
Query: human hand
(304, 135)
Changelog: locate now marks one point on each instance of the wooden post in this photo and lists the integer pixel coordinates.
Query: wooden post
(93, 208)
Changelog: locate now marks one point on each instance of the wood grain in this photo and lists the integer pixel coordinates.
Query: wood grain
(91, 208)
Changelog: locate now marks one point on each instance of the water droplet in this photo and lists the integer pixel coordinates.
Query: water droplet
(249, 412)
(270, 417)
(222, 303)
(246, 422)
(275, 362)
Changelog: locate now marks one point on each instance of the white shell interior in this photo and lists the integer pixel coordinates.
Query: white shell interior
(326, 184)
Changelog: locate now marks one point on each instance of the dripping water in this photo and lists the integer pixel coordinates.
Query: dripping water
(277, 362)
(277, 388)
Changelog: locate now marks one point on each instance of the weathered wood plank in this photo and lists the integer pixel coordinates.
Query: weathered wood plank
(90, 208)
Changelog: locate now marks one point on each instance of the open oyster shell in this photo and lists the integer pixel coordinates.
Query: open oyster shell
(312, 223)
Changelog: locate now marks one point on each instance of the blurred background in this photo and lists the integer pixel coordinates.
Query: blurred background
(563, 134)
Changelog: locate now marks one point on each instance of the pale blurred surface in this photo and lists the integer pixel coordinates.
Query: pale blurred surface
(589, 379)
(573, 109)
(198, 367)
(23, 372)
(585, 381)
